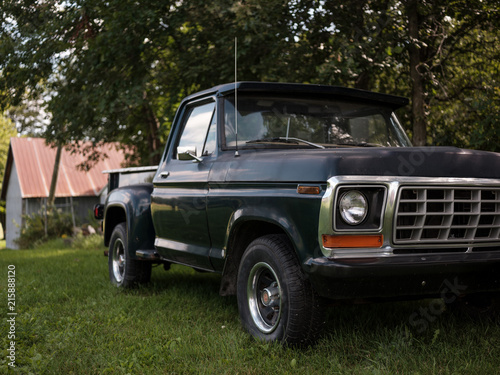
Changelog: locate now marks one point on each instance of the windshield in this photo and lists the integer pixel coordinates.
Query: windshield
(276, 122)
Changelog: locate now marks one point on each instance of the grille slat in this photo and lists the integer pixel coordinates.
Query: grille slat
(447, 215)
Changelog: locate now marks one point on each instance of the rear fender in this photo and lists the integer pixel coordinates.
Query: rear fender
(132, 205)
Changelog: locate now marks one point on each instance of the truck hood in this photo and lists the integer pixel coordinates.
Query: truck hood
(314, 165)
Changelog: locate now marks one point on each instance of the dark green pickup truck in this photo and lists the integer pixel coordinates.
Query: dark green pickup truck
(298, 194)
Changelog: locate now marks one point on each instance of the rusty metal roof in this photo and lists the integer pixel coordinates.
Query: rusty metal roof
(34, 161)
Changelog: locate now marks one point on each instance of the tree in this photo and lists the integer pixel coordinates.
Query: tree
(442, 37)
(116, 70)
(420, 49)
(416, 57)
(466, 104)
(92, 61)
(7, 130)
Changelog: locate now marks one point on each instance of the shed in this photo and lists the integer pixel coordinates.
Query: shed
(28, 174)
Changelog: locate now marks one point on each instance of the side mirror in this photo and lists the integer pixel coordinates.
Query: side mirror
(187, 153)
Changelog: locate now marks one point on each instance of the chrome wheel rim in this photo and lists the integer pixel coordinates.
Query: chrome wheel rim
(264, 297)
(118, 260)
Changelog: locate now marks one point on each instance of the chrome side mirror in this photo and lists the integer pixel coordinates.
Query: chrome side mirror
(187, 153)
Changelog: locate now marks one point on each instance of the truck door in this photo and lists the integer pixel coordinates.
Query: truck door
(178, 202)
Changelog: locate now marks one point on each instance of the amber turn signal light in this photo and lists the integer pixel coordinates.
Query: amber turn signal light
(301, 189)
(353, 241)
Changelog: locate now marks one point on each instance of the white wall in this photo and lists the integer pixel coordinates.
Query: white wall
(14, 209)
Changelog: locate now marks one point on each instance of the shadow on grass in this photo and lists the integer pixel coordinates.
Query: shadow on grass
(180, 278)
(184, 286)
(402, 324)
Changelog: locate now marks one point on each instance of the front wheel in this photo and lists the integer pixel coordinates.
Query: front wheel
(275, 300)
(123, 270)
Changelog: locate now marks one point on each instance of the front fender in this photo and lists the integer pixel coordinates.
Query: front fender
(246, 215)
(132, 205)
(296, 216)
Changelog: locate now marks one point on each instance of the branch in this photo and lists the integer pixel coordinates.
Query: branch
(458, 93)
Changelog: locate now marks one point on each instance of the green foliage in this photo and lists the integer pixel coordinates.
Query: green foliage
(466, 112)
(58, 224)
(486, 135)
(116, 71)
(7, 130)
(90, 242)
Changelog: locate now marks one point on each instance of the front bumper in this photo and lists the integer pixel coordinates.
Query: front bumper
(405, 276)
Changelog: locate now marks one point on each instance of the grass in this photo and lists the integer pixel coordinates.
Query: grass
(71, 320)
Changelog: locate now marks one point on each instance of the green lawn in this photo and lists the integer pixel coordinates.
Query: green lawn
(72, 321)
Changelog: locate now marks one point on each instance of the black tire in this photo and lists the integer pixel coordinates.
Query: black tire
(276, 302)
(123, 270)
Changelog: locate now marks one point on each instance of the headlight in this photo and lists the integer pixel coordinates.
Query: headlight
(353, 207)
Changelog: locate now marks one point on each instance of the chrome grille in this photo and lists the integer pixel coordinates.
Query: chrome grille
(447, 215)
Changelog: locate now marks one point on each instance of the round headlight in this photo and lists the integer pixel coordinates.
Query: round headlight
(353, 207)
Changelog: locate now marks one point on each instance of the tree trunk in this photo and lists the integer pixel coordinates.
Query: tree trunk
(417, 92)
(364, 81)
(55, 173)
(153, 136)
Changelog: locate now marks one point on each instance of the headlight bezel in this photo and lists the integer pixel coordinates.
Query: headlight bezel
(375, 196)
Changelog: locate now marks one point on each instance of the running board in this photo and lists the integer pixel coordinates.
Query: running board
(147, 254)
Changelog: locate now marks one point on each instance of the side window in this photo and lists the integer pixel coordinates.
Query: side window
(210, 143)
(196, 127)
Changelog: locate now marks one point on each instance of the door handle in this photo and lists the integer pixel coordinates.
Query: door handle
(164, 174)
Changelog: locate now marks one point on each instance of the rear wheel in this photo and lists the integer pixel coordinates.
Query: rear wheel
(123, 270)
(275, 300)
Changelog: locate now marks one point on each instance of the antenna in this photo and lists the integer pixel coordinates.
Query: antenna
(236, 153)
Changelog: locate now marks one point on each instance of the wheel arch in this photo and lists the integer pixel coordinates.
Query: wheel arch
(114, 215)
(131, 205)
(242, 233)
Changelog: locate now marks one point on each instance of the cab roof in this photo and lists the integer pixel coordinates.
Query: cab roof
(337, 92)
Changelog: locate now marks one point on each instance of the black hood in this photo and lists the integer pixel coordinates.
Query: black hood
(314, 165)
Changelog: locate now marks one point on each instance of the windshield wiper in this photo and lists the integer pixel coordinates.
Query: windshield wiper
(360, 144)
(285, 140)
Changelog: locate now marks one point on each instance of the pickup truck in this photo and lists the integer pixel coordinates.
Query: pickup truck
(300, 194)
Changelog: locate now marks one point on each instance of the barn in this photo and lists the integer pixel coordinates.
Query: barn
(27, 178)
